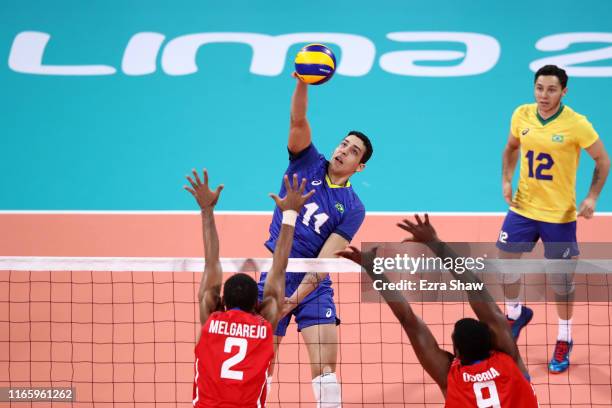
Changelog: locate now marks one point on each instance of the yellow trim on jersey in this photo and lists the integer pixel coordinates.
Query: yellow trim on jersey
(332, 185)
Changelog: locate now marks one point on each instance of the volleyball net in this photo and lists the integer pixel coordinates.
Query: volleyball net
(121, 332)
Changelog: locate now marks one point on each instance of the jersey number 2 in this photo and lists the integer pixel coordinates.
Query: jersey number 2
(492, 401)
(226, 368)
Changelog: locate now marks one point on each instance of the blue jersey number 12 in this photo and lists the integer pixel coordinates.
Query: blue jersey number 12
(545, 162)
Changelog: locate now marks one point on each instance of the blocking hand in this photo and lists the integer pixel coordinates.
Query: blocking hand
(295, 198)
(205, 197)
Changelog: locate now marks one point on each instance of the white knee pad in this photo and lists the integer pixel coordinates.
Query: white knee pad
(507, 271)
(327, 391)
(561, 276)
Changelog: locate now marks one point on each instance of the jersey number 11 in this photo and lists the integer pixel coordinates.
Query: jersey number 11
(320, 219)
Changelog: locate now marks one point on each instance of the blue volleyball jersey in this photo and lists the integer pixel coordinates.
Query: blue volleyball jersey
(331, 209)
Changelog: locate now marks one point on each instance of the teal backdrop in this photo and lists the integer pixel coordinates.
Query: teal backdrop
(124, 141)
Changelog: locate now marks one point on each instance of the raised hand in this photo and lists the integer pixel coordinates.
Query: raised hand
(365, 259)
(205, 197)
(422, 232)
(300, 82)
(351, 253)
(295, 198)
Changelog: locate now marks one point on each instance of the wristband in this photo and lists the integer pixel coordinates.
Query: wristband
(289, 217)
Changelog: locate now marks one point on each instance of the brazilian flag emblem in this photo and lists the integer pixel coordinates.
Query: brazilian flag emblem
(340, 208)
(557, 138)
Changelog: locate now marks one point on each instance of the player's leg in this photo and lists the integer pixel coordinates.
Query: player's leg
(518, 234)
(512, 286)
(322, 344)
(317, 321)
(560, 359)
(561, 245)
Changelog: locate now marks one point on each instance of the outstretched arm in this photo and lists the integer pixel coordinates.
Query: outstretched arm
(209, 294)
(274, 288)
(598, 153)
(434, 360)
(481, 301)
(299, 129)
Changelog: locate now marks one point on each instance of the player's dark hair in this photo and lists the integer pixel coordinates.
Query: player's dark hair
(240, 291)
(553, 70)
(366, 141)
(472, 340)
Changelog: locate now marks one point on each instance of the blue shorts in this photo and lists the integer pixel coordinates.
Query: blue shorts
(520, 234)
(317, 308)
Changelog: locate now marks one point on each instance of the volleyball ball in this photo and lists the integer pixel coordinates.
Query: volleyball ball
(315, 64)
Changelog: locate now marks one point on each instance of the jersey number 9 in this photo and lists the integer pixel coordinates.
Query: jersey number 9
(492, 401)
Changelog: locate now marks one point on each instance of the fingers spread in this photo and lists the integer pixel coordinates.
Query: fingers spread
(193, 184)
(308, 195)
(405, 227)
(276, 198)
(197, 176)
(409, 223)
(295, 182)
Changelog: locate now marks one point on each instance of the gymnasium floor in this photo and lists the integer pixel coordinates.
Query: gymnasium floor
(127, 336)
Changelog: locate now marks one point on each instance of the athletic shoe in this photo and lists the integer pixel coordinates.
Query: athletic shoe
(560, 361)
(523, 320)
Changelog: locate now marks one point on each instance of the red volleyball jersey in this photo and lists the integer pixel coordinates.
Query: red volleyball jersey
(232, 359)
(496, 382)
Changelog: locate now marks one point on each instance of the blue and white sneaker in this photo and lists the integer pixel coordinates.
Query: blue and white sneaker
(560, 361)
(523, 320)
